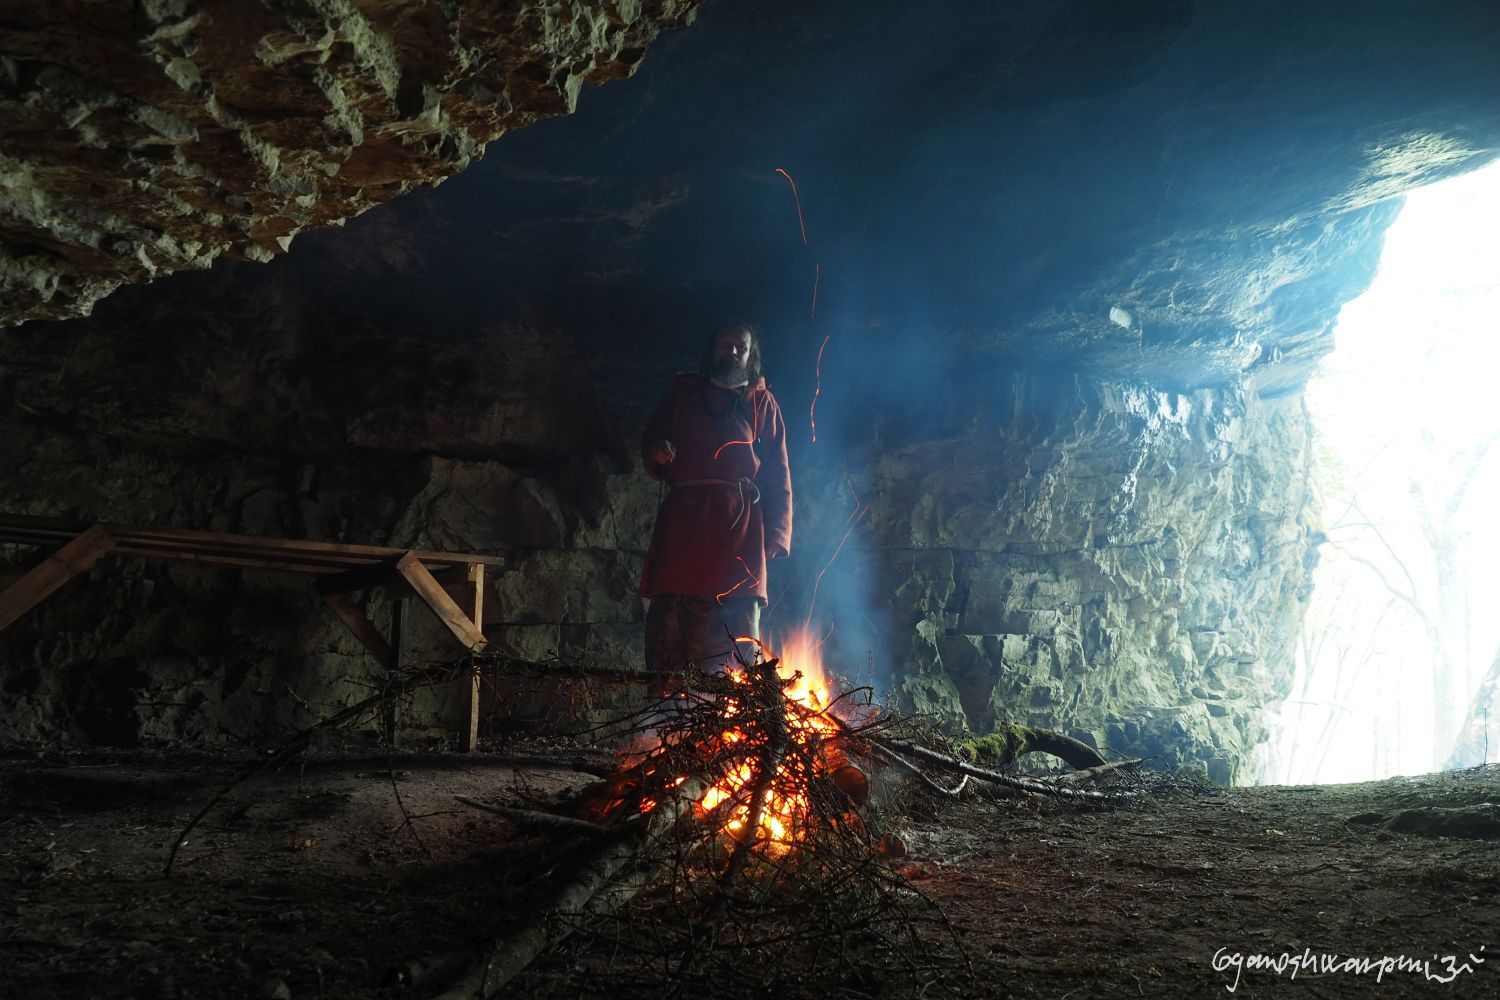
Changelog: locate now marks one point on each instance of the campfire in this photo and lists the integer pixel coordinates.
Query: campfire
(773, 744)
(739, 822)
(745, 797)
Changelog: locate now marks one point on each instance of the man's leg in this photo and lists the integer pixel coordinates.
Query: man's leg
(666, 646)
(679, 632)
(681, 628)
(738, 617)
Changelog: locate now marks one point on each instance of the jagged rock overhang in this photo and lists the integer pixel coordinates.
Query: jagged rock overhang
(142, 138)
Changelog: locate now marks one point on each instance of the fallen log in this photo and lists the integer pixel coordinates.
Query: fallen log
(1009, 741)
(533, 819)
(897, 747)
(1090, 773)
(926, 778)
(594, 888)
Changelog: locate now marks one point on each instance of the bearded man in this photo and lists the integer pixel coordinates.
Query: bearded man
(718, 444)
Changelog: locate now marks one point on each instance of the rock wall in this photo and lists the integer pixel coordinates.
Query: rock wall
(1118, 562)
(146, 137)
(136, 651)
(276, 418)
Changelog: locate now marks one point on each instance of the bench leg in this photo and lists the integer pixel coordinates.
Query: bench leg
(57, 569)
(471, 733)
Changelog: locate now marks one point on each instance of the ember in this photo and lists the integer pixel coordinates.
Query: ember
(744, 818)
(798, 198)
(750, 578)
(812, 411)
(798, 696)
(770, 744)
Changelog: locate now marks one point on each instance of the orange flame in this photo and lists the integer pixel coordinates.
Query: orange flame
(784, 807)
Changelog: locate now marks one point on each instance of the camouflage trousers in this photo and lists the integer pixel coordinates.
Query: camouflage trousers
(682, 629)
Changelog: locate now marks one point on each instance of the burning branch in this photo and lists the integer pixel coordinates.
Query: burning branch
(741, 822)
(742, 781)
(584, 892)
(947, 763)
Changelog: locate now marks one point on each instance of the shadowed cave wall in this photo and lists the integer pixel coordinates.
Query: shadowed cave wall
(1098, 526)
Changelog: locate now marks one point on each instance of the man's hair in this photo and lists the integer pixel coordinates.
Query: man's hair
(753, 364)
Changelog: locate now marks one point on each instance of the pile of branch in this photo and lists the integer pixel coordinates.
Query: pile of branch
(739, 829)
(743, 819)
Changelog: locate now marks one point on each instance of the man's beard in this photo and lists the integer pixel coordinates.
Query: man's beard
(730, 371)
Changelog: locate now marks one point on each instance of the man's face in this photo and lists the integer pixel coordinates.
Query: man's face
(731, 354)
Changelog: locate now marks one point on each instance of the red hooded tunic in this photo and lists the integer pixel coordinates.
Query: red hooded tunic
(710, 538)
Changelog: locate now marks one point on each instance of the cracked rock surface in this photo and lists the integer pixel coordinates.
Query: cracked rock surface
(144, 138)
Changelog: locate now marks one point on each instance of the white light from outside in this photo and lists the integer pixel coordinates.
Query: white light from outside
(1406, 415)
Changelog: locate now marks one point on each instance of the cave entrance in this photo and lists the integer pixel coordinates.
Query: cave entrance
(1404, 620)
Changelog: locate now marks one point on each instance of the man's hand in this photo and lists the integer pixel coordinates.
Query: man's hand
(777, 552)
(662, 453)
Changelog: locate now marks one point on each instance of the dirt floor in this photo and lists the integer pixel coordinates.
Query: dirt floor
(330, 877)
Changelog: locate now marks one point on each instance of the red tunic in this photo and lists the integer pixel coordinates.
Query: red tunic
(710, 539)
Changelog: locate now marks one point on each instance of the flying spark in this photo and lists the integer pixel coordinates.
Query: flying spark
(750, 578)
(812, 411)
(755, 419)
(849, 481)
(748, 571)
(719, 598)
(798, 199)
(853, 522)
(726, 444)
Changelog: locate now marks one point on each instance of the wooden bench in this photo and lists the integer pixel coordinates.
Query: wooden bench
(337, 568)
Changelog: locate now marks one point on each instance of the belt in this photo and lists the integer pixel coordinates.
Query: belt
(745, 486)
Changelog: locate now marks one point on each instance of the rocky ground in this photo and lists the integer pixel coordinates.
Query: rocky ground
(326, 878)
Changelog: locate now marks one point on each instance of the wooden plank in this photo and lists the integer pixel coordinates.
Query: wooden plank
(471, 733)
(252, 550)
(307, 561)
(435, 597)
(311, 564)
(364, 630)
(27, 536)
(33, 521)
(476, 577)
(228, 561)
(30, 527)
(54, 571)
(345, 551)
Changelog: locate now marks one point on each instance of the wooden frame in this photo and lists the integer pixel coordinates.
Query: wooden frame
(338, 568)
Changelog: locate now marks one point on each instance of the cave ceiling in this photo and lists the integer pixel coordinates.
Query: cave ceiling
(142, 137)
(1173, 191)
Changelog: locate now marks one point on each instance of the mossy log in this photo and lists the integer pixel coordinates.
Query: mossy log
(1001, 747)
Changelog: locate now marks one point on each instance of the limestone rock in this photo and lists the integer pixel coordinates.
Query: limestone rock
(149, 137)
(1134, 579)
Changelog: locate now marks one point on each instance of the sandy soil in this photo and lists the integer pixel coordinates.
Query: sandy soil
(324, 878)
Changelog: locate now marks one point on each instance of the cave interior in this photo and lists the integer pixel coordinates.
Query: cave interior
(1040, 287)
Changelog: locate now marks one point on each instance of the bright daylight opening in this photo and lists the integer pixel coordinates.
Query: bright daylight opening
(1404, 620)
